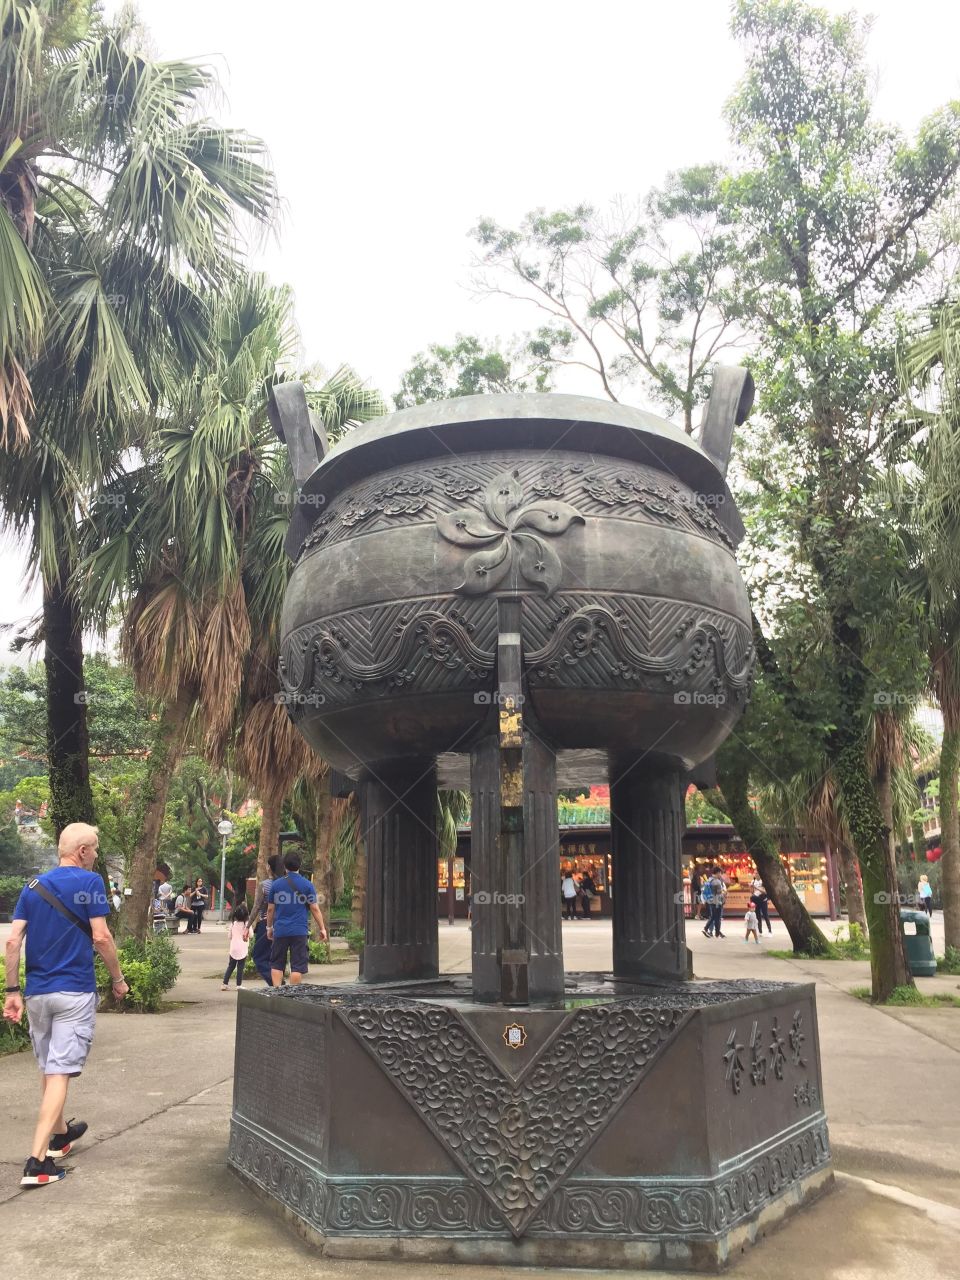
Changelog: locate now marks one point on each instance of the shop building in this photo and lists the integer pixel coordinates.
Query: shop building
(586, 848)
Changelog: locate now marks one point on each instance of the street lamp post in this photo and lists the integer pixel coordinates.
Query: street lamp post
(225, 828)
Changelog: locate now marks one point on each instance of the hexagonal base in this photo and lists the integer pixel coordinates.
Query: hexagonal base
(656, 1126)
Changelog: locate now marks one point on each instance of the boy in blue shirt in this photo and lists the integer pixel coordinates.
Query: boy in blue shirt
(291, 897)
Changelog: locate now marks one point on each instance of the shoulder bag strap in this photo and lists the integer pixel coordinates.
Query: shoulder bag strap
(52, 900)
(297, 895)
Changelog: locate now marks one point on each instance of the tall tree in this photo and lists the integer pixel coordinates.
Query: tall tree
(270, 750)
(170, 548)
(833, 218)
(118, 208)
(639, 294)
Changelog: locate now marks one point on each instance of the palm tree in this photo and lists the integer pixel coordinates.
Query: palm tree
(118, 209)
(170, 549)
(270, 750)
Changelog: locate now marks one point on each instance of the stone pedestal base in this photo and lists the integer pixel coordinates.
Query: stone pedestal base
(653, 1127)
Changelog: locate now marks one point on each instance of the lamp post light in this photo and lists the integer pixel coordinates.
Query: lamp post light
(225, 828)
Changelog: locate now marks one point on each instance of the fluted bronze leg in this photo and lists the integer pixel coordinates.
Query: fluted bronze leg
(647, 821)
(398, 807)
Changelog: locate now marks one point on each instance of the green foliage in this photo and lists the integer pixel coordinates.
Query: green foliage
(468, 368)
(188, 834)
(909, 997)
(241, 860)
(10, 889)
(14, 853)
(151, 968)
(852, 947)
(949, 962)
(118, 718)
(640, 293)
(453, 807)
(14, 1036)
(355, 939)
(318, 952)
(698, 806)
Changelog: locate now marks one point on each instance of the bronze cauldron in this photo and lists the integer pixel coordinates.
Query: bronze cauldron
(614, 529)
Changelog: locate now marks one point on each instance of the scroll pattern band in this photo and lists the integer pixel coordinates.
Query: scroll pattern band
(647, 1208)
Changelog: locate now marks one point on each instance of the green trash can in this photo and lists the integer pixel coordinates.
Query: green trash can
(918, 943)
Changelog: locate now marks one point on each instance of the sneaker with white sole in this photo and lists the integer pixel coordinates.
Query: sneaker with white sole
(61, 1144)
(41, 1173)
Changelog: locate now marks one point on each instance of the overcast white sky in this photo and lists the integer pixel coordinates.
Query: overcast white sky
(393, 125)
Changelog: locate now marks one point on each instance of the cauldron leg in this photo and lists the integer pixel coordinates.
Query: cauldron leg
(398, 807)
(646, 818)
(539, 862)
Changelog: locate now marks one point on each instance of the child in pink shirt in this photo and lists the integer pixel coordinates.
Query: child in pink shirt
(238, 946)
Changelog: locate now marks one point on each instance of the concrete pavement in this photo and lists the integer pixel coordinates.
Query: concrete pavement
(149, 1192)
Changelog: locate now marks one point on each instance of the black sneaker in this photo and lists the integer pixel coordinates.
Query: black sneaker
(41, 1173)
(61, 1144)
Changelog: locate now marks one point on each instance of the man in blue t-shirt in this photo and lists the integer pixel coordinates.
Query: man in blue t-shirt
(62, 916)
(290, 898)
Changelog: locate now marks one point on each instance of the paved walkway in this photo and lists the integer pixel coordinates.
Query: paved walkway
(149, 1193)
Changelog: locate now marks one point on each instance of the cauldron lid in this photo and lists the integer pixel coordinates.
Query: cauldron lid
(471, 424)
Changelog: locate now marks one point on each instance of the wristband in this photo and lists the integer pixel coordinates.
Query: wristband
(13, 991)
(116, 980)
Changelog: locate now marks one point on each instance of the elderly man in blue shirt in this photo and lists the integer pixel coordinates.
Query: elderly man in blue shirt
(62, 917)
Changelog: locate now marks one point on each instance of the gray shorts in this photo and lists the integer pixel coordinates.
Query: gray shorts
(61, 1029)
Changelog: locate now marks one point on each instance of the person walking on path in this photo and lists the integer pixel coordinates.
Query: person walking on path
(239, 935)
(569, 890)
(588, 891)
(198, 901)
(62, 918)
(695, 882)
(290, 898)
(714, 894)
(706, 897)
(257, 924)
(925, 894)
(760, 902)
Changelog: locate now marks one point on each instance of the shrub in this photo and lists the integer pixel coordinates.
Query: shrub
(151, 968)
(853, 947)
(10, 889)
(14, 1036)
(354, 937)
(318, 952)
(949, 962)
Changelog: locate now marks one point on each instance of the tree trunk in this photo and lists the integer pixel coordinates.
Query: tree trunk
(165, 754)
(806, 937)
(888, 962)
(852, 889)
(68, 742)
(883, 782)
(950, 830)
(359, 904)
(323, 844)
(269, 832)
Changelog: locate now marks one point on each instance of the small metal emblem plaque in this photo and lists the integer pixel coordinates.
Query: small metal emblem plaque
(514, 1036)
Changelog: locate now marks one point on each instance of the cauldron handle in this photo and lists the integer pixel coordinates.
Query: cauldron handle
(730, 402)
